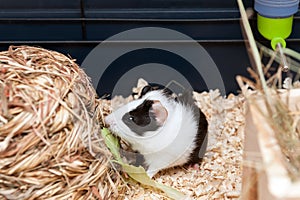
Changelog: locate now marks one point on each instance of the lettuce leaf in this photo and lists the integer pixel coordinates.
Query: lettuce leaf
(137, 173)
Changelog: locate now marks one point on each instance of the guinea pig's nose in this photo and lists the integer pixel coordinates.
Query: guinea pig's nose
(109, 120)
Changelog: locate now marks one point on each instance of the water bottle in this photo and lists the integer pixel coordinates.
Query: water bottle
(275, 19)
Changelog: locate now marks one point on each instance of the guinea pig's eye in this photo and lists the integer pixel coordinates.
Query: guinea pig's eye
(131, 118)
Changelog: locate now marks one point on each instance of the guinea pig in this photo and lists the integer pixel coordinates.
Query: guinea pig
(167, 131)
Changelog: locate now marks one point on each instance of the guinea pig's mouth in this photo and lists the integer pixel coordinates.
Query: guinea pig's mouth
(113, 130)
(117, 135)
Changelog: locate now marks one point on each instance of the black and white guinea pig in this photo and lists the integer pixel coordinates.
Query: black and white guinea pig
(167, 131)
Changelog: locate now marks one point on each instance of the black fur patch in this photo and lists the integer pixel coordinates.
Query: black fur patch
(152, 87)
(141, 119)
(134, 158)
(145, 90)
(201, 140)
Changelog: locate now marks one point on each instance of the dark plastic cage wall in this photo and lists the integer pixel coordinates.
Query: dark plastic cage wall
(75, 27)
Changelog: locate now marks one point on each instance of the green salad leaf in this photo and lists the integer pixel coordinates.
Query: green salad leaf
(137, 173)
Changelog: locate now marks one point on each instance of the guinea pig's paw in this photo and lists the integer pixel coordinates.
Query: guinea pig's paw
(194, 166)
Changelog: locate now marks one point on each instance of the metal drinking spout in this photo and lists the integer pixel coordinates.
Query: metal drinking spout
(285, 67)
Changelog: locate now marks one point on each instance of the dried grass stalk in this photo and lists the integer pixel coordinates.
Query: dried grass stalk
(49, 129)
(283, 120)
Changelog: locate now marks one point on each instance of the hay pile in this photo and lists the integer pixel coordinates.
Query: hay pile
(48, 116)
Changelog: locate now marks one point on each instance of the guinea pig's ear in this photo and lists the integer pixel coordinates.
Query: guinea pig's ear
(160, 112)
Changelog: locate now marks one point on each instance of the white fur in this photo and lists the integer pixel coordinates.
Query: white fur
(171, 144)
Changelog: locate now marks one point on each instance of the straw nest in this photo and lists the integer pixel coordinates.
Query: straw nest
(49, 129)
